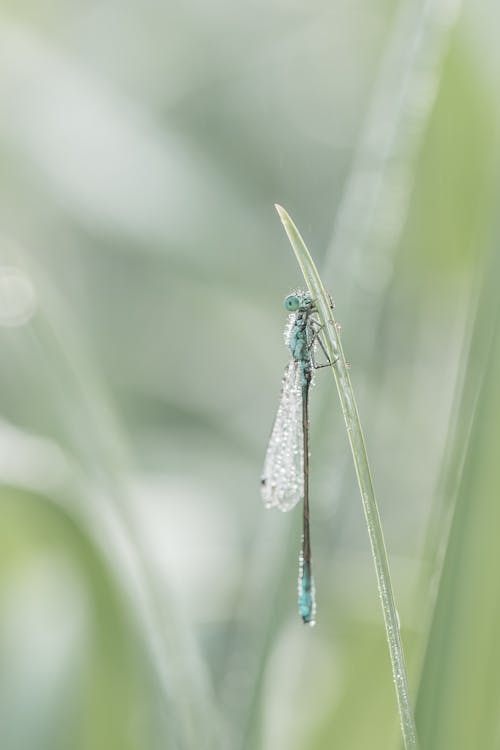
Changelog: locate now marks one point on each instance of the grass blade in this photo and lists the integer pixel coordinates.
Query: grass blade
(457, 701)
(357, 443)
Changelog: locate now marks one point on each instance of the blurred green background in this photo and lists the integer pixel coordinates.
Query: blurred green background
(147, 599)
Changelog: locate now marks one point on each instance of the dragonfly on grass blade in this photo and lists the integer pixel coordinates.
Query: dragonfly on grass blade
(285, 479)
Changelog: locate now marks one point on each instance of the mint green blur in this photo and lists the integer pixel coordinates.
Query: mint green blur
(147, 599)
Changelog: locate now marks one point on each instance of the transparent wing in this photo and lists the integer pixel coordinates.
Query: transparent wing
(283, 476)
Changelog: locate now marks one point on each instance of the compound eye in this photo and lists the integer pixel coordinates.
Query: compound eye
(292, 303)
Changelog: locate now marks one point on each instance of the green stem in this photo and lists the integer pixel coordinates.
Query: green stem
(357, 443)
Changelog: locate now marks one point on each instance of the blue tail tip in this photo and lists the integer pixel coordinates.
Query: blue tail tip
(307, 599)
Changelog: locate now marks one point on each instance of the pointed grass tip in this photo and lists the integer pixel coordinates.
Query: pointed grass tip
(281, 211)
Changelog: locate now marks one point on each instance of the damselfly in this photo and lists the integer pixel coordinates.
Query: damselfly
(285, 478)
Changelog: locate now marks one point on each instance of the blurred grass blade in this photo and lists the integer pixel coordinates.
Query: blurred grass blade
(380, 182)
(460, 685)
(99, 445)
(357, 443)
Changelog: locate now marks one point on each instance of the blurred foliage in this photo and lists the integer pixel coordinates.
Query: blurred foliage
(147, 599)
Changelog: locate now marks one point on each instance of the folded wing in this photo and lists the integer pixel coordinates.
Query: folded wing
(283, 476)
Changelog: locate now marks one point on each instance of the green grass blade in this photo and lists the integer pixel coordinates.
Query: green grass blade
(357, 443)
(94, 435)
(457, 702)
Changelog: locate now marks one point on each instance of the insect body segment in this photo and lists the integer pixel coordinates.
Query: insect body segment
(301, 338)
(307, 594)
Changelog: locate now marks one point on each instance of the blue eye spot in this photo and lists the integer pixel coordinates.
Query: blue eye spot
(292, 303)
